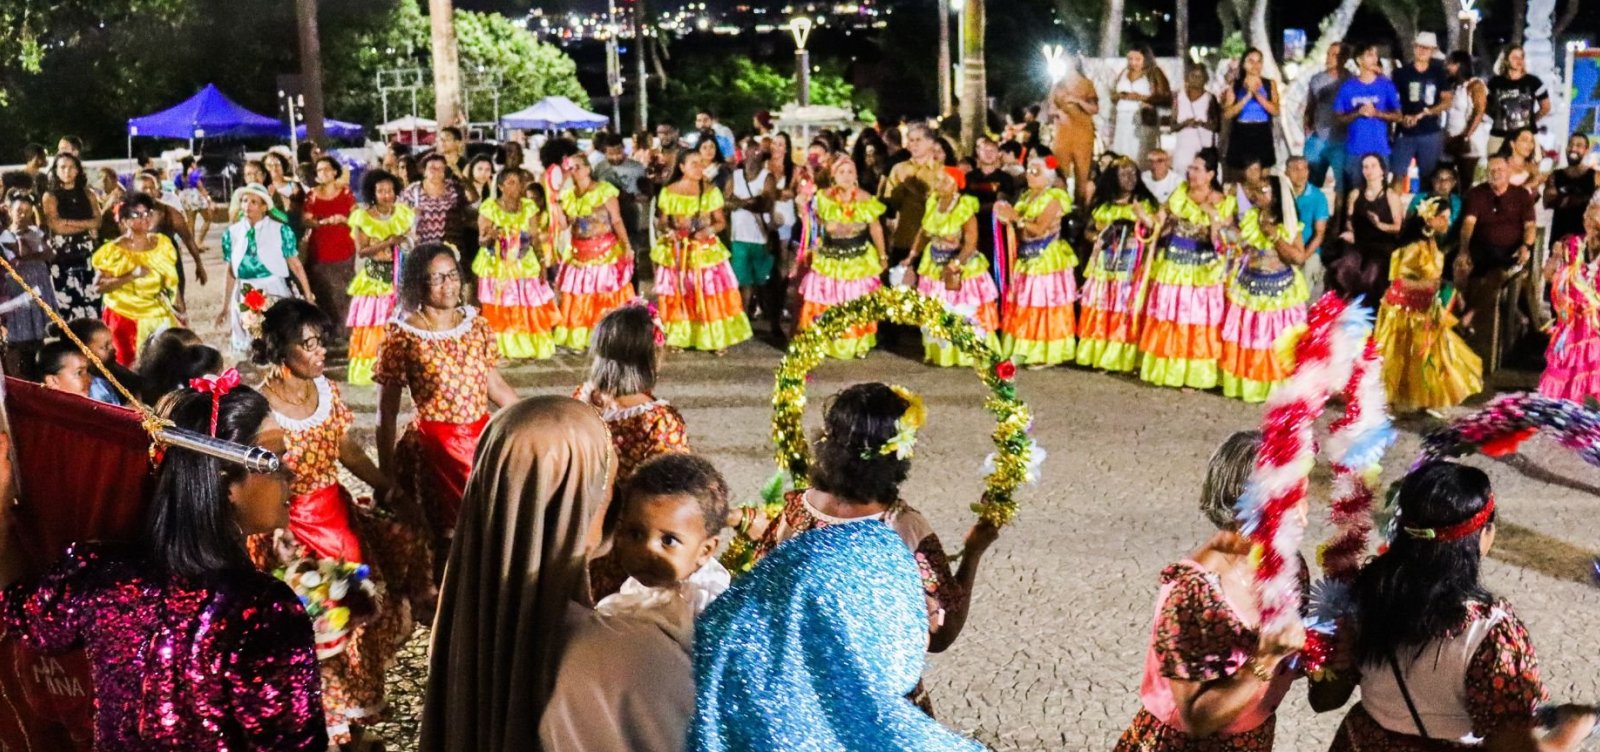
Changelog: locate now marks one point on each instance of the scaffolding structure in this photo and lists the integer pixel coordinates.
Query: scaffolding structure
(403, 81)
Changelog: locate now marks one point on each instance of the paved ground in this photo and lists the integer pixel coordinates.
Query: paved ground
(1051, 657)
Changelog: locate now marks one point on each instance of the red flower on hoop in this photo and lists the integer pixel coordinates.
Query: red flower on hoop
(1006, 370)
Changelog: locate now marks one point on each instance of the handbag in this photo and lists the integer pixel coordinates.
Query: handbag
(1405, 694)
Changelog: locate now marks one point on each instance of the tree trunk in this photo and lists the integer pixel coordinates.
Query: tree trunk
(310, 69)
(1519, 20)
(1261, 38)
(641, 102)
(1568, 15)
(446, 62)
(1403, 20)
(1452, 23)
(974, 94)
(1180, 17)
(1111, 30)
(945, 92)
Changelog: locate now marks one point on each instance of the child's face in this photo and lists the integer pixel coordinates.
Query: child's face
(102, 345)
(73, 376)
(662, 540)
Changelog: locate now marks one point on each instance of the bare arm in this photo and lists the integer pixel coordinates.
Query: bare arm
(875, 229)
(1231, 106)
(1270, 104)
(355, 458)
(969, 240)
(945, 631)
(299, 271)
(500, 392)
(1319, 231)
(388, 409)
(1469, 223)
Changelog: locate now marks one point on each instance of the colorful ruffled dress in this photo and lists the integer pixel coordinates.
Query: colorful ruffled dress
(1572, 362)
(1113, 296)
(325, 523)
(518, 304)
(1182, 336)
(1266, 302)
(372, 290)
(1038, 324)
(976, 297)
(597, 277)
(696, 291)
(1426, 365)
(843, 267)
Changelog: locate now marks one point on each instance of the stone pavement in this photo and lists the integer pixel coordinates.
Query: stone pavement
(1052, 654)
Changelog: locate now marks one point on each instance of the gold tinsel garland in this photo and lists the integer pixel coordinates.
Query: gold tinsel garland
(1014, 448)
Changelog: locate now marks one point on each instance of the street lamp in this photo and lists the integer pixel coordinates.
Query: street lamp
(1055, 62)
(800, 27)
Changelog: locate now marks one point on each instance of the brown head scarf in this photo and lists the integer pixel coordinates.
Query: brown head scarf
(518, 562)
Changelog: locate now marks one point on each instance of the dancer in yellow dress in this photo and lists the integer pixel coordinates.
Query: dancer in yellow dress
(597, 277)
(383, 232)
(516, 301)
(952, 270)
(847, 260)
(1426, 365)
(1125, 220)
(137, 273)
(1182, 336)
(696, 290)
(1038, 327)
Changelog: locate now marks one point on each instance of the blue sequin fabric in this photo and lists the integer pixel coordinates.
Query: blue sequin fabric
(226, 663)
(815, 650)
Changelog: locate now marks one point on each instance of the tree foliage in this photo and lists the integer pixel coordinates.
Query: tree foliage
(86, 66)
(739, 87)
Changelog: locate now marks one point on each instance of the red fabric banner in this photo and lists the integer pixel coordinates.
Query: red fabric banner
(83, 473)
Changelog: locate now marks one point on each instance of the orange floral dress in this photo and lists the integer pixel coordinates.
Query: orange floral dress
(1197, 637)
(1501, 686)
(447, 373)
(324, 520)
(638, 433)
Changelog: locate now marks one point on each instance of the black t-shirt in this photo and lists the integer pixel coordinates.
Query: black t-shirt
(1514, 104)
(1420, 90)
(989, 186)
(1566, 216)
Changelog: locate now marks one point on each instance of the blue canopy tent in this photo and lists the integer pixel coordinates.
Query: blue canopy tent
(209, 113)
(335, 129)
(553, 113)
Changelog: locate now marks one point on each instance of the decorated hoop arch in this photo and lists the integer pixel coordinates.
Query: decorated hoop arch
(1501, 426)
(1016, 457)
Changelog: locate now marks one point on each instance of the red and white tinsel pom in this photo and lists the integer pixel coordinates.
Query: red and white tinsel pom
(1326, 358)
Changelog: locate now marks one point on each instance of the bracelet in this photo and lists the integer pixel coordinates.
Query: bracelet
(747, 515)
(1259, 670)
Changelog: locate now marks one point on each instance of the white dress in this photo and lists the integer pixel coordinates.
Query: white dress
(1455, 123)
(1192, 139)
(1125, 132)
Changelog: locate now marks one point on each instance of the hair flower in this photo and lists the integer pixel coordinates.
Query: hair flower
(904, 443)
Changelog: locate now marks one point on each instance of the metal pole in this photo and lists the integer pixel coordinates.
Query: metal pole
(945, 93)
(802, 76)
(614, 66)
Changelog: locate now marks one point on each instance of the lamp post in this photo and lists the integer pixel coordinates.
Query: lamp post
(800, 27)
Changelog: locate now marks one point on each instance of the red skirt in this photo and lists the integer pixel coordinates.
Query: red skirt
(321, 521)
(445, 452)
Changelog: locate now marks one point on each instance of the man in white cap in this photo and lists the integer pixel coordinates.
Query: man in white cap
(1425, 94)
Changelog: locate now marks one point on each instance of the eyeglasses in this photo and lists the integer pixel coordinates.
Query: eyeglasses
(311, 343)
(440, 280)
(139, 214)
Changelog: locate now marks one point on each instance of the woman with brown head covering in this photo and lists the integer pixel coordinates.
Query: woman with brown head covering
(531, 514)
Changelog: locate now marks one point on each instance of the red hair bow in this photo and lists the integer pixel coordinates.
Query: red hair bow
(216, 386)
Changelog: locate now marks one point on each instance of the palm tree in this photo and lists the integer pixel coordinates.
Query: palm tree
(944, 58)
(974, 95)
(310, 68)
(1111, 30)
(446, 62)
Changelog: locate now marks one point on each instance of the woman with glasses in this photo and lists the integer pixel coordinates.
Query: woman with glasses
(137, 274)
(1038, 328)
(325, 521)
(444, 353)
